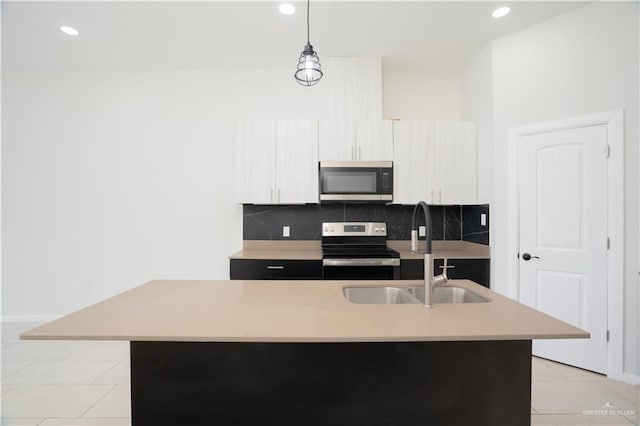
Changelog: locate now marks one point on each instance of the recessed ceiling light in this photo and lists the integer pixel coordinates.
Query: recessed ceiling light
(500, 12)
(69, 31)
(287, 9)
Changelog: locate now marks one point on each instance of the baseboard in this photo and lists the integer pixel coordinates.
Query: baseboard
(631, 379)
(29, 318)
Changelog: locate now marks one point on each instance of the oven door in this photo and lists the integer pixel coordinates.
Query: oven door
(361, 269)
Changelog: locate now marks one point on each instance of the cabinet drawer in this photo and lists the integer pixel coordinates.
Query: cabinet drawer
(477, 270)
(241, 269)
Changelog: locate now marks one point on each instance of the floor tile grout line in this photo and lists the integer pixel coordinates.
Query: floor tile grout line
(604, 382)
(100, 399)
(9, 391)
(107, 372)
(93, 383)
(17, 371)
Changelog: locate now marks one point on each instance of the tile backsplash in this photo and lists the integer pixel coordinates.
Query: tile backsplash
(473, 229)
(456, 222)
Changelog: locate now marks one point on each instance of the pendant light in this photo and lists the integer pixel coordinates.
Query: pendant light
(309, 71)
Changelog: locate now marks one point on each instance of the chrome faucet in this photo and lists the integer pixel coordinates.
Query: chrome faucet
(430, 281)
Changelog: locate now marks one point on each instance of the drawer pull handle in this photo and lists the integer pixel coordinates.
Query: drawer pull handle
(448, 267)
(275, 267)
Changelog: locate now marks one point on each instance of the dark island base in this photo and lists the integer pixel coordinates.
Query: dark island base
(331, 384)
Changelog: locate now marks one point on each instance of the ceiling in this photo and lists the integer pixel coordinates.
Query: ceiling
(435, 36)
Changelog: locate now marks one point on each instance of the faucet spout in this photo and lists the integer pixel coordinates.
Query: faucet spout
(430, 281)
(421, 205)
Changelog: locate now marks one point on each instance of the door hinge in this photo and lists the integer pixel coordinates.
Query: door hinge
(608, 243)
(608, 151)
(607, 335)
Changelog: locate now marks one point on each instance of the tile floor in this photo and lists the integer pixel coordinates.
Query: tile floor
(87, 383)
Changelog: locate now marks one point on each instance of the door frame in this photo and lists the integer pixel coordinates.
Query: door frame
(614, 120)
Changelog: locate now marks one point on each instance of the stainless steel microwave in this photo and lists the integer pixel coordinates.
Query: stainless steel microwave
(356, 181)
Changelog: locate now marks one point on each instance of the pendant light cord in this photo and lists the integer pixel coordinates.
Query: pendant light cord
(308, 21)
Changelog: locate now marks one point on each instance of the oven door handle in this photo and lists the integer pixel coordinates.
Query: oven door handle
(361, 262)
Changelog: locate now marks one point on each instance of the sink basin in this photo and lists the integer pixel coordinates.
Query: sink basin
(378, 295)
(448, 295)
(395, 295)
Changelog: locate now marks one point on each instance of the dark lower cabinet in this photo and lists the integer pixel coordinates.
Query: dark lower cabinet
(249, 269)
(473, 383)
(476, 270)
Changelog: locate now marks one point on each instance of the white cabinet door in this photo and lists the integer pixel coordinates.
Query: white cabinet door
(297, 161)
(353, 87)
(456, 163)
(255, 161)
(336, 140)
(435, 162)
(413, 160)
(374, 140)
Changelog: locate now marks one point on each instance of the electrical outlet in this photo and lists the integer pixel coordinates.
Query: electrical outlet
(285, 231)
(483, 219)
(422, 231)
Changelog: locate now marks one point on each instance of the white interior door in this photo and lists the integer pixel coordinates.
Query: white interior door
(563, 234)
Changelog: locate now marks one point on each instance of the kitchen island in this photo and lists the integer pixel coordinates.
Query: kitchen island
(297, 352)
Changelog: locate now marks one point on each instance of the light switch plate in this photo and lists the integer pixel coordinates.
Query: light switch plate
(285, 231)
(483, 219)
(422, 232)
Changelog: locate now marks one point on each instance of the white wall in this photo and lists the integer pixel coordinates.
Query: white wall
(576, 64)
(112, 179)
(418, 95)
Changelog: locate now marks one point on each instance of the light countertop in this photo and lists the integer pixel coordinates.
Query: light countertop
(442, 249)
(311, 250)
(295, 311)
(279, 250)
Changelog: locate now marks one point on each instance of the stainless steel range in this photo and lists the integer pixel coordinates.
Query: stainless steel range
(358, 251)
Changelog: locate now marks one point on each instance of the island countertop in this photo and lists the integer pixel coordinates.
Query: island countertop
(295, 311)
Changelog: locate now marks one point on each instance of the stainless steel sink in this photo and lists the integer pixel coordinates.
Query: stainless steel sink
(448, 295)
(395, 295)
(378, 295)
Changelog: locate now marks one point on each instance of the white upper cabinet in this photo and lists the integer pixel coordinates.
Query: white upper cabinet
(255, 161)
(277, 162)
(435, 162)
(353, 87)
(362, 140)
(413, 174)
(336, 140)
(374, 140)
(297, 161)
(457, 163)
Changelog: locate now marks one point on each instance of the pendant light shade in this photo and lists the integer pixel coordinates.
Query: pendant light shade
(309, 71)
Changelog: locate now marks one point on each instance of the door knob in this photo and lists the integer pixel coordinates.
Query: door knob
(527, 256)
